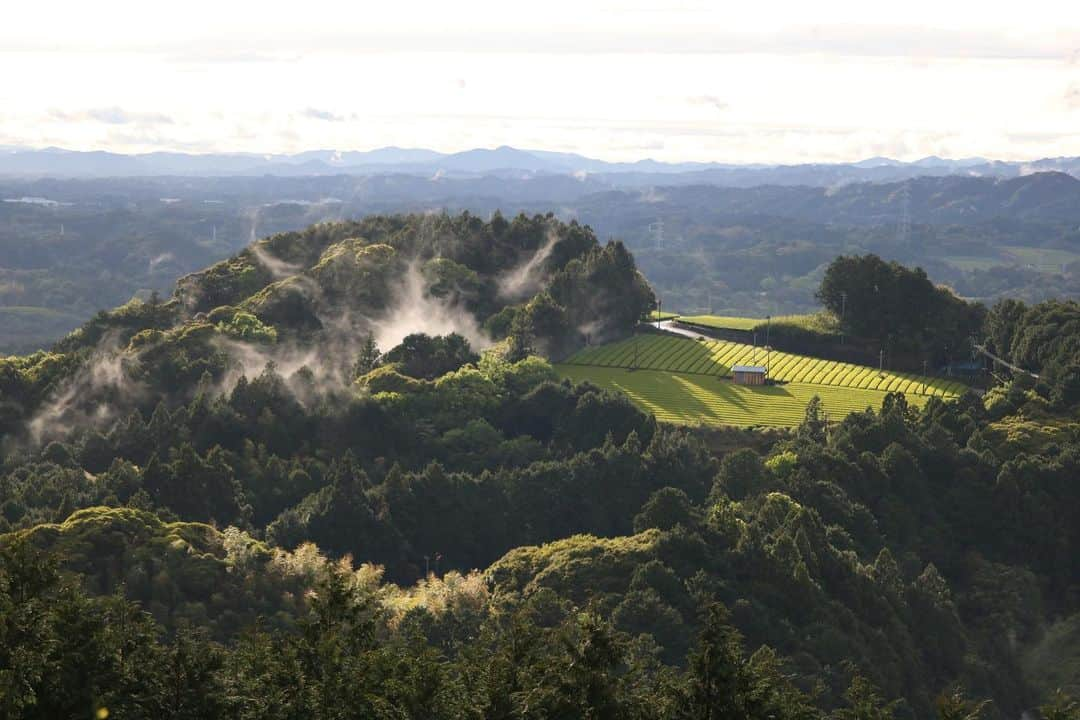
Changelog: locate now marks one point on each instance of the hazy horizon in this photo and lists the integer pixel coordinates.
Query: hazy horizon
(779, 84)
(463, 149)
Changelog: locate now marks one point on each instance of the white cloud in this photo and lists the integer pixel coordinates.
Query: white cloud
(793, 81)
(112, 115)
(324, 115)
(711, 100)
(1072, 97)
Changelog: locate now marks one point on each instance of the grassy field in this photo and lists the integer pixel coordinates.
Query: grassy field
(716, 357)
(655, 316)
(685, 381)
(723, 322)
(1042, 259)
(969, 263)
(685, 399)
(816, 322)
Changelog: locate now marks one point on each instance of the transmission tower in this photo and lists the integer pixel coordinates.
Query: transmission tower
(903, 230)
(657, 230)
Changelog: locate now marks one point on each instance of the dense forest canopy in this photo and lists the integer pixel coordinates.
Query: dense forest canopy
(336, 475)
(305, 301)
(71, 247)
(900, 309)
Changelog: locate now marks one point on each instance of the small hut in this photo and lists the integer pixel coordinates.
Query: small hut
(749, 374)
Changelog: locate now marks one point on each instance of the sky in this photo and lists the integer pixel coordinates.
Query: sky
(674, 80)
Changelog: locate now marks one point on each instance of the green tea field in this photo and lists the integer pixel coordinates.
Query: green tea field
(723, 322)
(684, 399)
(817, 322)
(687, 381)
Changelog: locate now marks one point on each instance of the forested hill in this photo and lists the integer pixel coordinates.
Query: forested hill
(70, 247)
(306, 301)
(335, 476)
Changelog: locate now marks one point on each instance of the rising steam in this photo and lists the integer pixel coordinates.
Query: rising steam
(102, 379)
(414, 310)
(528, 277)
(315, 369)
(277, 267)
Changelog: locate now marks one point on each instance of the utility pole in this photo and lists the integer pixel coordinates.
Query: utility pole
(924, 363)
(881, 361)
(843, 309)
(768, 347)
(659, 311)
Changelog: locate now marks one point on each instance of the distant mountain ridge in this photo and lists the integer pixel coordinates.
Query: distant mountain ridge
(503, 161)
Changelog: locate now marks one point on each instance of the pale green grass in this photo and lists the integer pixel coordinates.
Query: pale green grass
(1043, 258)
(716, 357)
(818, 322)
(723, 322)
(969, 263)
(685, 399)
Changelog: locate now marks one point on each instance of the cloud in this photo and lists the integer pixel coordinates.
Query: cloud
(847, 39)
(712, 33)
(213, 56)
(639, 146)
(113, 115)
(324, 115)
(712, 100)
(1072, 97)
(1041, 138)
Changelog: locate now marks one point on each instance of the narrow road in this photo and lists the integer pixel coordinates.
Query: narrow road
(671, 327)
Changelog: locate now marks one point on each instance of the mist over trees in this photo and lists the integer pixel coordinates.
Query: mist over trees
(96, 243)
(239, 502)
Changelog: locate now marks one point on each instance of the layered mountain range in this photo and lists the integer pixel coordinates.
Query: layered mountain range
(503, 160)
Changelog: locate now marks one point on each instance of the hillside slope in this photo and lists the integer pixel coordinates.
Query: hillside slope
(254, 460)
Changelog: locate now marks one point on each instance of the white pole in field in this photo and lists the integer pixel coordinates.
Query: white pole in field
(843, 308)
(768, 347)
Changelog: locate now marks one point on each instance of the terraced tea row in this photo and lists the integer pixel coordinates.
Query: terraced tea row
(707, 400)
(716, 357)
(815, 322)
